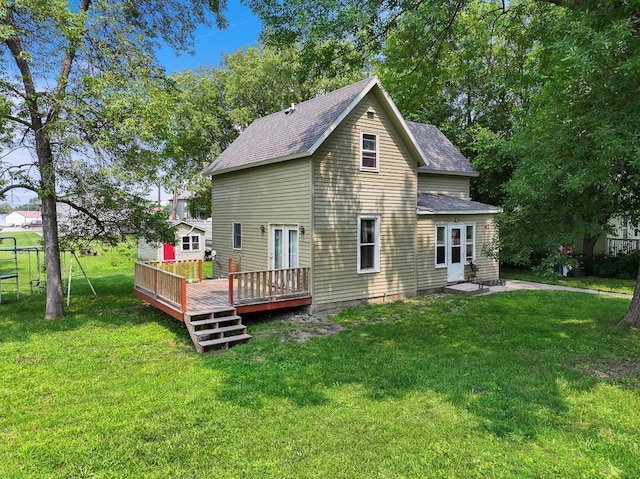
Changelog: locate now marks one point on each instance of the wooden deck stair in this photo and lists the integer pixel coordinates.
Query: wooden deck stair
(221, 328)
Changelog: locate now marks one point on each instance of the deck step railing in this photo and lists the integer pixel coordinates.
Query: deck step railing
(268, 285)
(161, 285)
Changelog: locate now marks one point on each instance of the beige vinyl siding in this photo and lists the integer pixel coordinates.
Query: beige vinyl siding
(430, 277)
(276, 194)
(450, 185)
(342, 192)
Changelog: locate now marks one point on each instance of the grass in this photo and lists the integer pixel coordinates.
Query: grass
(522, 384)
(623, 286)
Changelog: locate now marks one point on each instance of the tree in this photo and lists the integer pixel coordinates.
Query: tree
(72, 76)
(466, 71)
(462, 65)
(205, 110)
(576, 142)
(32, 205)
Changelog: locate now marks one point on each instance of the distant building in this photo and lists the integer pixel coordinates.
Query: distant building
(192, 240)
(19, 218)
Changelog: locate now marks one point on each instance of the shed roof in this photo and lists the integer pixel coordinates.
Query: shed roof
(442, 156)
(435, 204)
(300, 130)
(28, 214)
(200, 227)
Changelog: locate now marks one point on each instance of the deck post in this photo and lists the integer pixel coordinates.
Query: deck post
(230, 282)
(155, 283)
(183, 295)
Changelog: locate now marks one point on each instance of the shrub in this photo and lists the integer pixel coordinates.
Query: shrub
(623, 266)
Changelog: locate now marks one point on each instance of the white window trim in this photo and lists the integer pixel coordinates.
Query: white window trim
(191, 248)
(233, 235)
(377, 151)
(286, 229)
(446, 248)
(376, 251)
(473, 242)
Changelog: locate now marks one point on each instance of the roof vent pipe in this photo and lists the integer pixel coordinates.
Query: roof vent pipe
(291, 109)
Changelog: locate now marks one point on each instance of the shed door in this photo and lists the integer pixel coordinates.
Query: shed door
(168, 252)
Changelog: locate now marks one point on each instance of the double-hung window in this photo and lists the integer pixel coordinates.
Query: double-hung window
(190, 243)
(369, 151)
(237, 235)
(470, 243)
(441, 246)
(369, 243)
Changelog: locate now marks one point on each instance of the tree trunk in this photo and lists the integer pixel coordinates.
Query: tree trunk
(54, 307)
(632, 316)
(588, 244)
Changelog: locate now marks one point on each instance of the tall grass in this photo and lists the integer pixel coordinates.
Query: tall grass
(522, 384)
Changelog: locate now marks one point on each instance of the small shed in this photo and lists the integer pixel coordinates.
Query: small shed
(190, 244)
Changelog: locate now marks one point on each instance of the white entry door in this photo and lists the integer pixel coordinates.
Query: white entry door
(455, 264)
(284, 246)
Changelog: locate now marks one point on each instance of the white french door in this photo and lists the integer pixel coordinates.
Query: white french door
(456, 256)
(284, 246)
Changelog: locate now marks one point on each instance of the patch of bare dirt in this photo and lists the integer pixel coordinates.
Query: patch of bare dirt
(309, 326)
(619, 371)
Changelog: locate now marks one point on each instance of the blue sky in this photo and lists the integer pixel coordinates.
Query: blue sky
(243, 30)
(210, 43)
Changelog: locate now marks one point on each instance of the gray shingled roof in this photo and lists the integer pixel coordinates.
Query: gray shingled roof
(297, 132)
(293, 134)
(429, 203)
(440, 152)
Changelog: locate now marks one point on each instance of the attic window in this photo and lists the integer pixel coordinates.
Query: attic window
(370, 115)
(369, 151)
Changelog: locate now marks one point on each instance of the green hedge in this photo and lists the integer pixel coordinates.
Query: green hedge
(624, 266)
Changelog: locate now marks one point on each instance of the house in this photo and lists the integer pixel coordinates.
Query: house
(622, 237)
(377, 208)
(190, 244)
(19, 218)
(180, 205)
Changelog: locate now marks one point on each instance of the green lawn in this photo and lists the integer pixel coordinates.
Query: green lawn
(624, 286)
(521, 384)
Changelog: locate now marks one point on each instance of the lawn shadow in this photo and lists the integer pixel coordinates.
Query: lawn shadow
(505, 359)
(114, 306)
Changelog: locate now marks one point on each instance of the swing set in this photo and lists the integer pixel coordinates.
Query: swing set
(10, 273)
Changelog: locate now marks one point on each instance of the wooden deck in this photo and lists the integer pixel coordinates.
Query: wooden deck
(210, 294)
(252, 292)
(211, 309)
(214, 294)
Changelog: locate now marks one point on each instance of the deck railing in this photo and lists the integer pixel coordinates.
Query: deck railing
(616, 246)
(161, 285)
(268, 285)
(191, 269)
